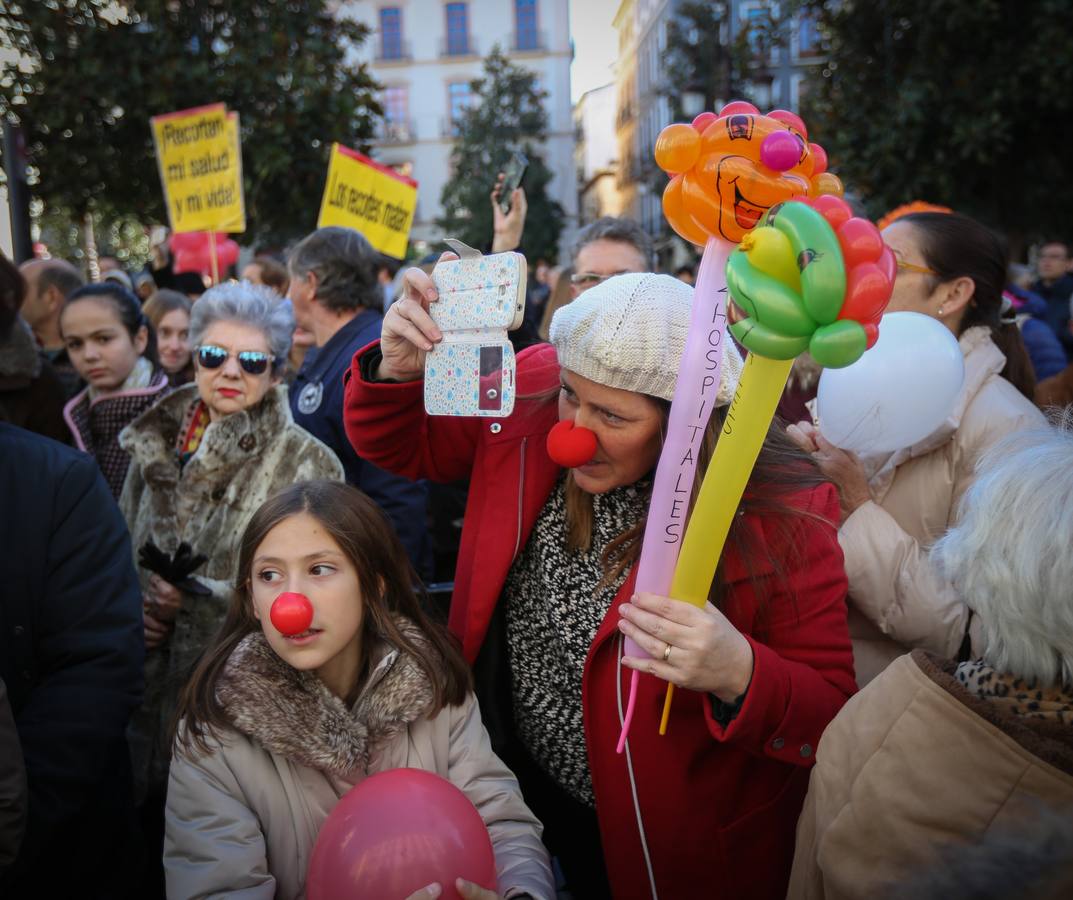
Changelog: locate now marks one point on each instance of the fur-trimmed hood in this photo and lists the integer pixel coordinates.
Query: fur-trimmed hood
(292, 713)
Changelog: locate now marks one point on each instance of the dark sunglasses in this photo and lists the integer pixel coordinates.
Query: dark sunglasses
(252, 361)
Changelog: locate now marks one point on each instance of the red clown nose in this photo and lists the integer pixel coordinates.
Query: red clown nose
(291, 614)
(571, 445)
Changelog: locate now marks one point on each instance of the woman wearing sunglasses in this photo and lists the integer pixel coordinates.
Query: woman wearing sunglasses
(896, 505)
(202, 461)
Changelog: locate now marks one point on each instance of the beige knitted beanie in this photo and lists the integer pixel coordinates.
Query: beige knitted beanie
(629, 332)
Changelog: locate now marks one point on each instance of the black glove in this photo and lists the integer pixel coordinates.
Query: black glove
(175, 569)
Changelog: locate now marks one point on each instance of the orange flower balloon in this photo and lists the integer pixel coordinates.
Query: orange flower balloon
(727, 170)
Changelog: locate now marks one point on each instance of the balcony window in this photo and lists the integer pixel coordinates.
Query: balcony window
(395, 104)
(390, 32)
(459, 98)
(525, 18)
(808, 36)
(457, 29)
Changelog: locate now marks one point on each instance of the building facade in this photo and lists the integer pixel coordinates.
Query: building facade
(426, 52)
(596, 154)
(775, 81)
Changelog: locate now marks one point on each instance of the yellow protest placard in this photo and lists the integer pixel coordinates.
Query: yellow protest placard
(370, 198)
(200, 163)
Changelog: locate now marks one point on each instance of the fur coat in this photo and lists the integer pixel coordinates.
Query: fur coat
(241, 461)
(243, 818)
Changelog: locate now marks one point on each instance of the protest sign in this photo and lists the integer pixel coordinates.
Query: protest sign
(200, 163)
(370, 198)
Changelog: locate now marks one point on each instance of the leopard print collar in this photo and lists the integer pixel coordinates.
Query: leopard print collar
(1016, 696)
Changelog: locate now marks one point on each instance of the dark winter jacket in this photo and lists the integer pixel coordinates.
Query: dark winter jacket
(31, 395)
(1044, 349)
(71, 653)
(1057, 296)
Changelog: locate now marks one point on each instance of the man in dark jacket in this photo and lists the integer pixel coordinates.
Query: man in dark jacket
(337, 297)
(1055, 285)
(71, 655)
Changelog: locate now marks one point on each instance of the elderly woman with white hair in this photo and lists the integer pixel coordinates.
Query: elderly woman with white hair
(202, 461)
(934, 754)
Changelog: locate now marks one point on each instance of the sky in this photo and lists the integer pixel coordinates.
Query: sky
(595, 44)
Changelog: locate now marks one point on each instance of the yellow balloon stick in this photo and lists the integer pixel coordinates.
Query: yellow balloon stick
(739, 444)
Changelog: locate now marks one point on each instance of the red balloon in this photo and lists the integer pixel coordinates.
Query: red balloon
(867, 293)
(792, 119)
(396, 832)
(187, 260)
(704, 120)
(189, 240)
(871, 335)
(738, 108)
(834, 209)
(291, 613)
(819, 159)
(860, 242)
(888, 265)
(571, 445)
(226, 253)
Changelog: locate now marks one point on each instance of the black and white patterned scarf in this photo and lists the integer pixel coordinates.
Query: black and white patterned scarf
(554, 608)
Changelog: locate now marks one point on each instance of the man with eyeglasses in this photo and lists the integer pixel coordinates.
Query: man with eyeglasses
(338, 298)
(1055, 285)
(609, 246)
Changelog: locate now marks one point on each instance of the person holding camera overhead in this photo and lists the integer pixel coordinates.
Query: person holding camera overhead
(544, 595)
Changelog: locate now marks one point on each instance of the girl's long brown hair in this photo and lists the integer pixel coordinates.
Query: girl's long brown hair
(387, 584)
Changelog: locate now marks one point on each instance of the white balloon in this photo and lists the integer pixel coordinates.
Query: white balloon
(898, 392)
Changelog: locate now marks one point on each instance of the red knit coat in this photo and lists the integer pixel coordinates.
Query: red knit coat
(717, 806)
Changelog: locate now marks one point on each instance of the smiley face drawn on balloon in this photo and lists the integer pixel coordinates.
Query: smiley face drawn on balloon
(728, 171)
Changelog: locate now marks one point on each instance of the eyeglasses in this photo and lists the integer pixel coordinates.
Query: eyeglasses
(912, 267)
(586, 280)
(252, 361)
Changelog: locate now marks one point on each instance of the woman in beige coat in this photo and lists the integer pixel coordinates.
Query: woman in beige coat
(934, 753)
(275, 729)
(895, 506)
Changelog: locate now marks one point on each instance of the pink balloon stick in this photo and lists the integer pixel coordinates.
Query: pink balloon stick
(694, 399)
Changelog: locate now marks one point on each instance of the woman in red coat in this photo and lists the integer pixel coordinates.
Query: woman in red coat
(544, 594)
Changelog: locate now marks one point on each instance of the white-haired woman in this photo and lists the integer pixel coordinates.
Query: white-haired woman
(202, 461)
(934, 753)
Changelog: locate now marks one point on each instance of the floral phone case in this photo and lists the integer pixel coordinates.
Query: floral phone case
(471, 372)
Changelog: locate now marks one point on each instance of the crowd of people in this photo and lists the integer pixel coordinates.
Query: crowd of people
(878, 691)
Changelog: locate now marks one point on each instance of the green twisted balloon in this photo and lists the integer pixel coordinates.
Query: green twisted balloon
(788, 278)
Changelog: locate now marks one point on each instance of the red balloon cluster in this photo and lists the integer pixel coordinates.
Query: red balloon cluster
(193, 252)
(870, 264)
(397, 832)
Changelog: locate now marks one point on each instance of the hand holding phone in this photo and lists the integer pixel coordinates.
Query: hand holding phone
(408, 331)
(512, 178)
(471, 371)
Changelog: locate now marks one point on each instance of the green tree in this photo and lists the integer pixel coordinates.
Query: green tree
(965, 103)
(507, 114)
(89, 74)
(710, 56)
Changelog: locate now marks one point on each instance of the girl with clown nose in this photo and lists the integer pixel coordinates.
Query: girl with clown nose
(544, 598)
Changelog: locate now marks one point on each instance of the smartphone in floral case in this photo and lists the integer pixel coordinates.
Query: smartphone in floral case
(471, 372)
